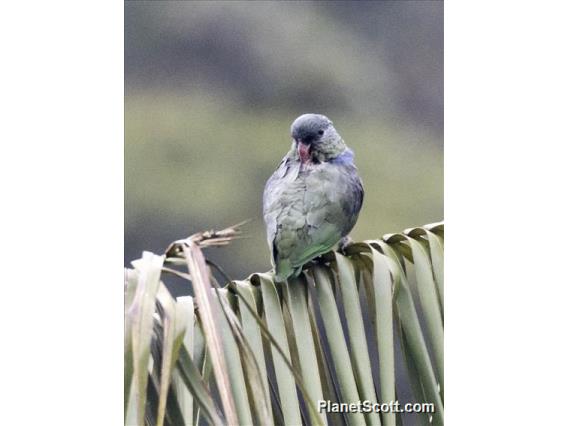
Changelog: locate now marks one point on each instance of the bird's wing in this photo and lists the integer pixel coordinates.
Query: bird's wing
(306, 216)
(352, 200)
(272, 204)
(331, 203)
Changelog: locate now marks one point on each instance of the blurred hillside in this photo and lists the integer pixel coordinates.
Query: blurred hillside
(212, 87)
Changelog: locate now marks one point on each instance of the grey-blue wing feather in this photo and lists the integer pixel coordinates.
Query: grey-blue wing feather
(271, 195)
(353, 200)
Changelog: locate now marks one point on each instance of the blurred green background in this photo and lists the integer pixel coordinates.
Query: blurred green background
(212, 88)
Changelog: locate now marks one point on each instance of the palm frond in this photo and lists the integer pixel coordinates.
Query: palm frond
(340, 332)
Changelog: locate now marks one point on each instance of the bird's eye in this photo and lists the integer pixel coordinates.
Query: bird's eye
(320, 132)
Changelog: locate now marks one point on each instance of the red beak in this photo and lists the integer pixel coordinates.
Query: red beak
(303, 151)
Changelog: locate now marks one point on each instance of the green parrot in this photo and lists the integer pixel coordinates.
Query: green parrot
(313, 199)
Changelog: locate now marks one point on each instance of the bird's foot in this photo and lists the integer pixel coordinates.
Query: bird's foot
(320, 260)
(344, 242)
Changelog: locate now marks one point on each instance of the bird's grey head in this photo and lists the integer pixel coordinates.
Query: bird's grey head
(316, 138)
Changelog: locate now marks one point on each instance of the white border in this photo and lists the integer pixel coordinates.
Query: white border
(62, 212)
(505, 195)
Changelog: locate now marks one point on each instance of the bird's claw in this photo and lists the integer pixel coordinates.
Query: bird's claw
(344, 243)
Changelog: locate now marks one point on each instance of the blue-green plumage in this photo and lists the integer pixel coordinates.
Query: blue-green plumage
(314, 197)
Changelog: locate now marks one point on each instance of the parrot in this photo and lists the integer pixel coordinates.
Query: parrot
(313, 199)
